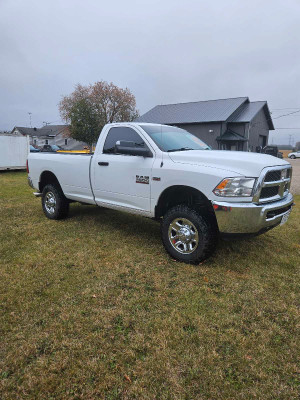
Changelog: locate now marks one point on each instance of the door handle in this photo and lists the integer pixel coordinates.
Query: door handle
(103, 164)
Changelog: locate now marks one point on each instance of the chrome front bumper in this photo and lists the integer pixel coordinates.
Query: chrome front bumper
(250, 218)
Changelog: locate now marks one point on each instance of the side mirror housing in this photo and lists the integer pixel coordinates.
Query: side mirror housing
(131, 148)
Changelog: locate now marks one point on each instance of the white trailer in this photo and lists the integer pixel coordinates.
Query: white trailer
(14, 151)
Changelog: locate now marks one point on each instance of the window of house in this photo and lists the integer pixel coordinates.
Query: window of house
(119, 134)
(66, 142)
(34, 142)
(46, 141)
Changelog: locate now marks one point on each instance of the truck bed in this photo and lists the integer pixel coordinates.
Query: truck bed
(71, 169)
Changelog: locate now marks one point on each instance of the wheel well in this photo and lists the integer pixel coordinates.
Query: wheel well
(181, 194)
(46, 178)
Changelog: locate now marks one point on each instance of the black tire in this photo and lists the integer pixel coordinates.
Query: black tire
(293, 157)
(60, 203)
(206, 230)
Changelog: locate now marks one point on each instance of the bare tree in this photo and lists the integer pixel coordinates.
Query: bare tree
(89, 108)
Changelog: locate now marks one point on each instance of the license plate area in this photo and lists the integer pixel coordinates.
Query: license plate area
(285, 217)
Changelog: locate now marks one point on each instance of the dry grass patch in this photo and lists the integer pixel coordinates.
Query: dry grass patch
(92, 307)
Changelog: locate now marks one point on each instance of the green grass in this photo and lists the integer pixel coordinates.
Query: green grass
(93, 308)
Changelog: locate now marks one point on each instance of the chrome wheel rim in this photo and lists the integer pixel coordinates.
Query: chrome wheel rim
(183, 235)
(50, 203)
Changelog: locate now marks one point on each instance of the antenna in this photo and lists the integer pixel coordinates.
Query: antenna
(29, 113)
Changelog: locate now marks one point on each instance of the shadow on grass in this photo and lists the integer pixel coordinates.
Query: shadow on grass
(148, 231)
(7, 171)
(117, 221)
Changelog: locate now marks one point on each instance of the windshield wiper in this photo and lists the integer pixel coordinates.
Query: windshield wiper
(181, 149)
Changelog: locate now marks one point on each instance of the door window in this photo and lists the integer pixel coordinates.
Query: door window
(121, 134)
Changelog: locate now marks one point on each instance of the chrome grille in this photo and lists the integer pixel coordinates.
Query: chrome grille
(273, 176)
(273, 184)
(269, 192)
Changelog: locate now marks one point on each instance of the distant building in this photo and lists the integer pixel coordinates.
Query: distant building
(50, 134)
(227, 124)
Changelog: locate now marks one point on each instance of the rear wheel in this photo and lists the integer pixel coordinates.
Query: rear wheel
(293, 156)
(187, 235)
(54, 203)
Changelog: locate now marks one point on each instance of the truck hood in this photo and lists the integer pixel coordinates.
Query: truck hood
(240, 162)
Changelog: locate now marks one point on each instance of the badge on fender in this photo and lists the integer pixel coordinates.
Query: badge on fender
(142, 179)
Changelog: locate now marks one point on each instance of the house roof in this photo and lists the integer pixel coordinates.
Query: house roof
(249, 110)
(51, 130)
(238, 109)
(230, 135)
(25, 131)
(47, 130)
(199, 111)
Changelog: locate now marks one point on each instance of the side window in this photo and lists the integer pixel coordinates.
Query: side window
(120, 133)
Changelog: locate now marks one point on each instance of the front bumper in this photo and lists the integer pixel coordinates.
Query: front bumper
(250, 218)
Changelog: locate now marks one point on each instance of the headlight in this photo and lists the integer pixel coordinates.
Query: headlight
(235, 187)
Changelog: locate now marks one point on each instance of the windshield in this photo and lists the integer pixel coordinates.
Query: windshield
(55, 147)
(170, 138)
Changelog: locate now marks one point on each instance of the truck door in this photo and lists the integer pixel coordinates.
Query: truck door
(122, 180)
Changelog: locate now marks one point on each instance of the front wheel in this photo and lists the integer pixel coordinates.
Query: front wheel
(187, 235)
(54, 203)
(293, 157)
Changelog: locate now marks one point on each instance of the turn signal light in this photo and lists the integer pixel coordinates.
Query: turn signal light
(222, 185)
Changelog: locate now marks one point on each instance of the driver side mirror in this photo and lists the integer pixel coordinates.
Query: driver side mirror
(133, 149)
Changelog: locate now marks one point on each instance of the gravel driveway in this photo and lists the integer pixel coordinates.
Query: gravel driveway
(295, 187)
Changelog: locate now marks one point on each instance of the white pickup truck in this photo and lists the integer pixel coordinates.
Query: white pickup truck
(168, 174)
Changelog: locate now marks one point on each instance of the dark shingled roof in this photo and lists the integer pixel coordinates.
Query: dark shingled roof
(47, 130)
(51, 130)
(249, 110)
(199, 111)
(26, 131)
(238, 109)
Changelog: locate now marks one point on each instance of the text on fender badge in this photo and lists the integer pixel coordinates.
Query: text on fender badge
(142, 179)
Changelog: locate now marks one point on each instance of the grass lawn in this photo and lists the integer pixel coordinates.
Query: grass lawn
(93, 308)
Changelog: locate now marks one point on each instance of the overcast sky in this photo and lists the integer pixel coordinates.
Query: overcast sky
(164, 51)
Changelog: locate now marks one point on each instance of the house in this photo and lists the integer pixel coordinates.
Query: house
(225, 124)
(50, 134)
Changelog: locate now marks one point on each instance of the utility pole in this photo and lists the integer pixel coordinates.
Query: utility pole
(291, 140)
(30, 119)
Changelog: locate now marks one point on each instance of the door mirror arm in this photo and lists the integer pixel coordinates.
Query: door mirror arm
(132, 149)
